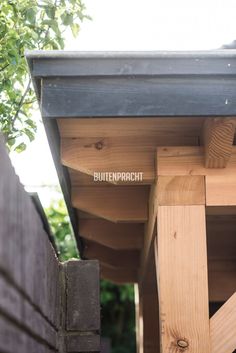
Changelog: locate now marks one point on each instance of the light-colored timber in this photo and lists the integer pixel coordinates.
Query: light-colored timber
(222, 327)
(181, 190)
(116, 203)
(181, 260)
(218, 137)
(118, 236)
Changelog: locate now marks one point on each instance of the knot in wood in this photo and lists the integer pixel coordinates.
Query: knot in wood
(99, 145)
(182, 344)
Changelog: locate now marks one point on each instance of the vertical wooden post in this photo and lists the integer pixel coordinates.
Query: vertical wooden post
(181, 262)
(148, 309)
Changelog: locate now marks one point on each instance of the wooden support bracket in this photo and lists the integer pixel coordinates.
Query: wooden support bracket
(222, 327)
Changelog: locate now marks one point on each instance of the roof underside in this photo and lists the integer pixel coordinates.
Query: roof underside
(108, 112)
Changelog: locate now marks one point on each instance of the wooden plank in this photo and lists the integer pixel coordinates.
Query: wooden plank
(181, 261)
(111, 257)
(116, 236)
(222, 327)
(181, 190)
(119, 275)
(150, 232)
(91, 156)
(221, 190)
(116, 203)
(119, 127)
(218, 137)
(189, 161)
(82, 300)
(139, 96)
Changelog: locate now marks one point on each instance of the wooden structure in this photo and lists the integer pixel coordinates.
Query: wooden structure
(171, 117)
(45, 306)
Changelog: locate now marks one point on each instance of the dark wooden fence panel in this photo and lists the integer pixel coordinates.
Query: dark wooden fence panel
(29, 271)
(45, 306)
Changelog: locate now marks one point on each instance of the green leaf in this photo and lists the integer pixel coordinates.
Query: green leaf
(67, 19)
(50, 11)
(75, 29)
(31, 15)
(21, 147)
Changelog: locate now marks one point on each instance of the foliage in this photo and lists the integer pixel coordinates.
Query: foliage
(28, 24)
(59, 222)
(118, 316)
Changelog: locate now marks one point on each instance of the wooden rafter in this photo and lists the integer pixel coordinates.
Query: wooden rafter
(118, 236)
(116, 203)
(218, 137)
(113, 258)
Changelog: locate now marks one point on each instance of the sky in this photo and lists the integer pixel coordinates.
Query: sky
(131, 25)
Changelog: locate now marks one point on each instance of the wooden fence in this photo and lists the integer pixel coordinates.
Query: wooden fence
(45, 306)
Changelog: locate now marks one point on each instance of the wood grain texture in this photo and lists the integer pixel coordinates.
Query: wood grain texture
(190, 161)
(119, 275)
(218, 137)
(117, 236)
(152, 127)
(221, 190)
(222, 328)
(181, 190)
(113, 258)
(181, 261)
(149, 234)
(116, 203)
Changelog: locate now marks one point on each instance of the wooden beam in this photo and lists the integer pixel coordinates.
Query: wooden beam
(181, 190)
(218, 137)
(113, 258)
(117, 155)
(221, 190)
(151, 127)
(119, 275)
(116, 203)
(222, 327)
(149, 234)
(181, 261)
(190, 161)
(117, 236)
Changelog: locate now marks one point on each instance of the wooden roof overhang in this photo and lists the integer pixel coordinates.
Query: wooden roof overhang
(108, 112)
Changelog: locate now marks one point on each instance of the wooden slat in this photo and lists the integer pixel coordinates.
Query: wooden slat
(190, 161)
(128, 127)
(221, 190)
(181, 190)
(116, 203)
(222, 327)
(119, 275)
(113, 258)
(116, 236)
(218, 136)
(181, 261)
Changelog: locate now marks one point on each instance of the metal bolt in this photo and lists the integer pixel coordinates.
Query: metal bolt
(182, 344)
